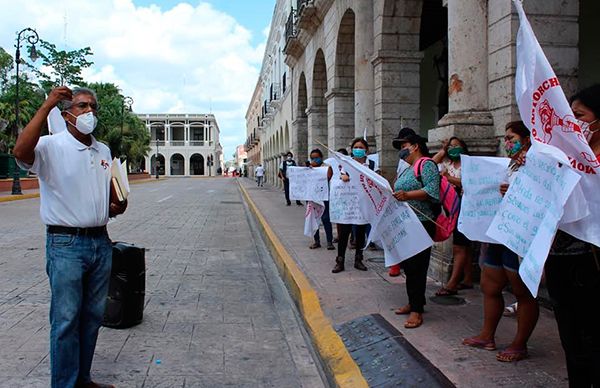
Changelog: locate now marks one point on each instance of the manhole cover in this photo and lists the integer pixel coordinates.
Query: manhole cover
(376, 260)
(231, 202)
(447, 300)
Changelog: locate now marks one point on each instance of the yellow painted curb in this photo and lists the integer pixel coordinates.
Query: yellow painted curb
(331, 349)
(18, 197)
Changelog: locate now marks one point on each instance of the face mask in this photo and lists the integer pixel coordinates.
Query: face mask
(403, 154)
(513, 148)
(317, 161)
(455, 152)
(358, 153)
(289, 158)
(85, 123)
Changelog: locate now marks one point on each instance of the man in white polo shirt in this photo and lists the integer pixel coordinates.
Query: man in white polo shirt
(76, 202)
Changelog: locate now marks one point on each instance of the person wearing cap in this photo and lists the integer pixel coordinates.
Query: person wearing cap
(402, 165)
(422, 192)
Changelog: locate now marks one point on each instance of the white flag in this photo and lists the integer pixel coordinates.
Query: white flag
(548, 115)
(312, 217)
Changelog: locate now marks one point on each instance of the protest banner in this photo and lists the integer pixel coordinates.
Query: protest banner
(529, 214)
(399, 232)
(312, 218)
(394, 224)
(481, 179)
(547, 113)
(308, 183)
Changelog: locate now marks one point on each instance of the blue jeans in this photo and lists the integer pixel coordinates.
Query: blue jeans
(78, 269)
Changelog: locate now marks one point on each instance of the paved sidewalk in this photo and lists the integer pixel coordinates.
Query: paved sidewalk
(353, 293)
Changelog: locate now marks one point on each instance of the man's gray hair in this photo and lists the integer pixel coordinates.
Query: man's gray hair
(76, 91)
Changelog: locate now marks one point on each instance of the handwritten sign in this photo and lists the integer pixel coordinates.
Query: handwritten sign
(344, 206)
(481, 178)
(528, 217)
(400, 233)
(308, 184)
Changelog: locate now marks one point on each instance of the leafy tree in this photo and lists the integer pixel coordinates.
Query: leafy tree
(65, 66)
(31, 97)
(120, 129)
(6, 66)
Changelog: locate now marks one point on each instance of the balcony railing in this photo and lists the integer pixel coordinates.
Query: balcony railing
(177, 143)
(182, 143)
(160, 142)
(300, 5)
(290, 26)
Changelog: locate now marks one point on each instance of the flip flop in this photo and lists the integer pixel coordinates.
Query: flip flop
(402, 310)
(413, 324)
(446, 292)
(463, 286)
(479, 343)
(512, 355)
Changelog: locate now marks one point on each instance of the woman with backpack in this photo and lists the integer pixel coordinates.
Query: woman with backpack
(501, 267)
(421, 190)
(449, 160)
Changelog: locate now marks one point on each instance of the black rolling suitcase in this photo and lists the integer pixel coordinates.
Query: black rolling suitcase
(125, 300)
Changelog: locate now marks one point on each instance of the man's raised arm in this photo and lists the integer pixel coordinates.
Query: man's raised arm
(28, 139)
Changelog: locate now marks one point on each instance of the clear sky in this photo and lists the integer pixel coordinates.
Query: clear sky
(169, 56)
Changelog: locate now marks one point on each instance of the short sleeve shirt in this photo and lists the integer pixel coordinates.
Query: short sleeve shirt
(74, 180)
(430, 176)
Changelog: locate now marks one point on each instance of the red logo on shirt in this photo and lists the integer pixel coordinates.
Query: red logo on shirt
(104, 164)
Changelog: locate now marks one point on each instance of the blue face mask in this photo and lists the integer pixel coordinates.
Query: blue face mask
(359, 153)
(513, 148)
(317, 161)
(403, 154)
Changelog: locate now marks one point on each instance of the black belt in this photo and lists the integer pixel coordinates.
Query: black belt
(93, 231)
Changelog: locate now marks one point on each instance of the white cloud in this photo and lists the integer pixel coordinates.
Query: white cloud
(189, 58)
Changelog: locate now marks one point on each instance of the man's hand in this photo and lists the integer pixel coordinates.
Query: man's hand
(503, 188)
(345, 177)
(61, 93)
(117, 208)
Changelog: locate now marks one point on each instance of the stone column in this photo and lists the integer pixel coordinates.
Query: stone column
(317, 126)
(340, 120)
(468, 114)
(396, 101)
(299, 137)
(364, 83)
(186, 163)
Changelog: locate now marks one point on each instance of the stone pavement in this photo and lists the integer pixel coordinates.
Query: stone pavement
(353, 293)
(216, 313)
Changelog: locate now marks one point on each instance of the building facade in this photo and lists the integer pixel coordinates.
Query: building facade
(183, 144)
(443, 67)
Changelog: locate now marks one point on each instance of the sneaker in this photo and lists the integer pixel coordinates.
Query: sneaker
(330, 247)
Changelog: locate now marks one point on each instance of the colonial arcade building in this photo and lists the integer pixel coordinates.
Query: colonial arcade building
(183, 144)
(443, 67)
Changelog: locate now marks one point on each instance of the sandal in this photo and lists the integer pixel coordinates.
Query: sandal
(413, 324)
(511, 311)
(445, 292)
(512, 355)
(315, 246)
(403, 310)
(463, 286)
(479, 343)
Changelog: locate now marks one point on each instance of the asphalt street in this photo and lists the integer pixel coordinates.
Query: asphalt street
(216, 312)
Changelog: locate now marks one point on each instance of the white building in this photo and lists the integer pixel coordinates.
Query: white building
(188, 142)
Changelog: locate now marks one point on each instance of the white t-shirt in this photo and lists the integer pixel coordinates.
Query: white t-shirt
(74, 180)
(260, 171)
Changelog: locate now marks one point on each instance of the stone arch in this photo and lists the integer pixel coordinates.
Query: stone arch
(177, 163)
(197, 164)
(317, 111)
(161, 164)
(341, 99)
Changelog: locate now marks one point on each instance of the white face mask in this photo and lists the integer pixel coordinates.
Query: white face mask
(85, 123)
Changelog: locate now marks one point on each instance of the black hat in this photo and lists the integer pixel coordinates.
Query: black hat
(402, 137)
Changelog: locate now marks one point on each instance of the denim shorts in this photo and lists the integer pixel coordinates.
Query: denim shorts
(500, 257)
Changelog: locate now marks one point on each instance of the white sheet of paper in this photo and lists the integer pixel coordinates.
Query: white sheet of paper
(308, 183)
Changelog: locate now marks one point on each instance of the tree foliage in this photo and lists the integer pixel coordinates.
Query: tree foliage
(64, 67)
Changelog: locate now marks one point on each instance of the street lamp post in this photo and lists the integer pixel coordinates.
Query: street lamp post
(32, 37)
(127, 101)
(156, 162)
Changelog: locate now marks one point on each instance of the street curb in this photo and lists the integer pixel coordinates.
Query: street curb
(9, 198)
(338, 362)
